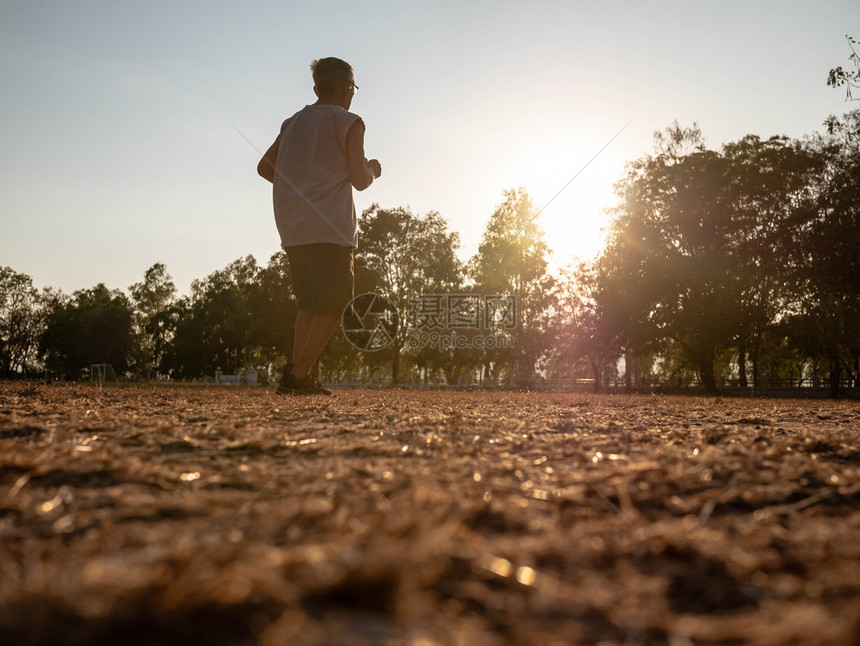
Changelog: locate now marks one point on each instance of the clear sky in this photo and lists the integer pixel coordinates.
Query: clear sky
(120, 140)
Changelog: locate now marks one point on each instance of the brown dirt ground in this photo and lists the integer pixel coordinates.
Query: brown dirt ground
(190, 515)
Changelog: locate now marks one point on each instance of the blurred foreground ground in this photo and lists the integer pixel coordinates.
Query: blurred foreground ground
(179, 515)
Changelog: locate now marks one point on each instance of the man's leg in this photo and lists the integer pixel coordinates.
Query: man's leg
(304, 320)
(313, 331)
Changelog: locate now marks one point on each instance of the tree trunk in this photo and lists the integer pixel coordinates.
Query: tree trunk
(595, 368)
(395, 366)
(754, 358)
(706, 374)
(706, 371)
(628, 371)
(742, 363)
(835, 374)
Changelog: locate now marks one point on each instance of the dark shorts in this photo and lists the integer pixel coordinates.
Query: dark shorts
(323, 276)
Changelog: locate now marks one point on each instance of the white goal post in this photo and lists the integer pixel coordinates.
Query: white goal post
(102, 372)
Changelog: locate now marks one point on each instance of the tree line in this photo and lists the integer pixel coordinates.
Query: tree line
(736, 266)
(733, 265)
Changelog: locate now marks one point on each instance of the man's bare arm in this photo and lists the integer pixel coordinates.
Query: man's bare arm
(266, 167)
(361, 171)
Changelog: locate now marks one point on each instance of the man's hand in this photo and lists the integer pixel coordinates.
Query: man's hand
(375, 168)
(266, 167)
(361, 171)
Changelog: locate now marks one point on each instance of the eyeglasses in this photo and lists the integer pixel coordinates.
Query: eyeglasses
(353, 87)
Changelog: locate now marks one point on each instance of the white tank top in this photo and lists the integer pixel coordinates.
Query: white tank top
(312, 194)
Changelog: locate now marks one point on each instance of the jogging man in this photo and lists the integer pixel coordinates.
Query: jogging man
(314, 163)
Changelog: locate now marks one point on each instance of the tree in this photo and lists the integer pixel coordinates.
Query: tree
(213, 325)
(407, 255)
(625, 284)
(839, 76)
(581, 328)
(512, 258)
(769, 180)
(273, 310)
(21, 323)
(152, 299)
(633, 272)
(668, 267)
(711, 252)
(825, 277)
(93, 326)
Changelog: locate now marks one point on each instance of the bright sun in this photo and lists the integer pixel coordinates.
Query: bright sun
(575, 220)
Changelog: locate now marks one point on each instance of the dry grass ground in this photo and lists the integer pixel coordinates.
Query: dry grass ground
(171, 515)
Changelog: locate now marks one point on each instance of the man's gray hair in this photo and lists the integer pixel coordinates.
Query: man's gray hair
(329, 73)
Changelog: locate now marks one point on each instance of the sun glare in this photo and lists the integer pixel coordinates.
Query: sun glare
(576, 219)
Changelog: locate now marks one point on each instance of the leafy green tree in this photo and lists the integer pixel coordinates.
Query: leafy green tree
(212, 327)
(406, 254)
(667, 269)
(93, 326)
(273, 310)
(624, 285)
(712, 252)
(698, 308)
(701, 247)
(21, 323)
(152, 298)
(581, 329)
(825, 276)
(633, 273)
(768, 180)
(850, 79)
(185, 357)
(512, 259)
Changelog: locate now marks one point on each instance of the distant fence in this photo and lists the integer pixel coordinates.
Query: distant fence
(777, 389)
(806, 389)
(245, 378)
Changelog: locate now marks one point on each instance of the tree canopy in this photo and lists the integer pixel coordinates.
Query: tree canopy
(734, 266)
